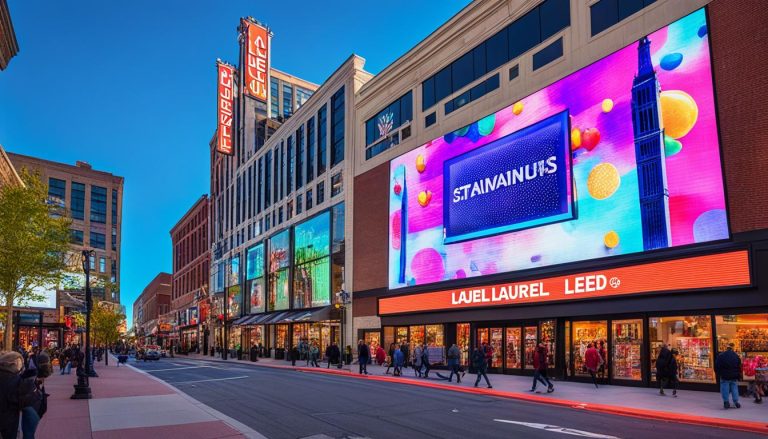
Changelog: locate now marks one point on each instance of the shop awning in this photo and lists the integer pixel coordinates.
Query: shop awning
(241, 320)
(306, 315)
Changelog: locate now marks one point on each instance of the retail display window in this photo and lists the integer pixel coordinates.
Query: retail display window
(627, 349)
(749, 335)
(691, 336)
(462, 341)
(584, 334)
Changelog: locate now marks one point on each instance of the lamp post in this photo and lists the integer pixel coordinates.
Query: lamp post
(342, 306)
(82, 388)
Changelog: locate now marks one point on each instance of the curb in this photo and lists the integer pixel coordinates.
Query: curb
(729, 424)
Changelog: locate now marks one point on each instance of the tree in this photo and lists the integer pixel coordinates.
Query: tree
(34, 237)
(105, 323)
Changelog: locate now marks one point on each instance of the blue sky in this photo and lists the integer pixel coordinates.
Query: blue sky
(130, 88)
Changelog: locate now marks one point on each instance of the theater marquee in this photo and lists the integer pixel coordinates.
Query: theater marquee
(729, 269)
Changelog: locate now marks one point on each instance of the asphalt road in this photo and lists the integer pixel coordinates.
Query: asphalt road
(290, 404)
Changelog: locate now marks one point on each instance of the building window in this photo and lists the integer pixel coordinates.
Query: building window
(267, 178)
(289, 171)
(280, 215)
(381, 131)
(606, 13)
(514, 71)
(542, 22)
(749, 334)
(57, 192)
(114, 206)
(476, 92)
(337, 248)
(320, 192)
(76, 236)
(98, 240)
(98, 204)
(430, 119)
(102, 265)
(311, 149)
(114, 238)
(337, 183)
(287, 100)
(309, 199)
(302, 95)
(77, 203)
(274, 96)
(113, 272)
(692, 337)
(299, 203)
(299, 157)
(337, 127)
(548, 54)
(289, 210)
(322, 139)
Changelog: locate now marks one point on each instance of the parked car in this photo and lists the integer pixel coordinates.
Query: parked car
(151, 354)
(163, 353)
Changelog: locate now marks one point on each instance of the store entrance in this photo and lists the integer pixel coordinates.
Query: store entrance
(514, 345)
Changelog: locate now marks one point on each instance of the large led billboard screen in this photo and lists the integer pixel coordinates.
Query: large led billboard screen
(643, 171)
(312, 271)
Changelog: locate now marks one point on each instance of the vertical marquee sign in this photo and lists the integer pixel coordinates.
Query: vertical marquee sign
(226, 98)
(256, 70)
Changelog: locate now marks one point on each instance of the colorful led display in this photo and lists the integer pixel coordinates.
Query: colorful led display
(279, 263)
(645, 165)
(254, 269)
(311, 284)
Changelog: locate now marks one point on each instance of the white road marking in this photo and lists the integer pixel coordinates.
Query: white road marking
(558, 429)
(205, 381)
(179, 368)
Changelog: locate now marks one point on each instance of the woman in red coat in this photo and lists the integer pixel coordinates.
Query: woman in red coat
(381, 355)
(592, 361)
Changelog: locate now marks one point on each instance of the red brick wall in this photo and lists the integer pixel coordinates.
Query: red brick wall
(739, 36)
(371, 226)
(364, 307)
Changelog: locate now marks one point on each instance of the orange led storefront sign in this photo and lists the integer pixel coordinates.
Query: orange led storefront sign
(698, 272)
(256, 60)
(226, 99)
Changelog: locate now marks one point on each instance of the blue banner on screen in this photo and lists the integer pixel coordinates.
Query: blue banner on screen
(519, 181)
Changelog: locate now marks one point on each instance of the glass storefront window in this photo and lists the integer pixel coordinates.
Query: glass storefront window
(462, 341)
(531, 336)
(300, 332)
(584, 333)
(281, 336)
(389, 337)
(257, 335)
(692, 337)
(482, 336)
(497, 343)
(749, 334)
(372, 339)
(568, 371)
(547, 336)
(402, 334)
(234, 338)
(514, 341)
(627, 346)
(435, 336)
(417, 337)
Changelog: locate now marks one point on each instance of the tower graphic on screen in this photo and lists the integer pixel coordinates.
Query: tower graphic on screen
(649, 151)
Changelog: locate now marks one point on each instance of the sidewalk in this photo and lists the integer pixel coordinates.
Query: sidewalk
(128, 403)
(694, 407)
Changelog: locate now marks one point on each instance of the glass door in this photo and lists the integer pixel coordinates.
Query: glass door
(497, 343)
(514, 343)
(531, 338)
(462, 341)
(626, 362)
(547, 336)
(585, 335)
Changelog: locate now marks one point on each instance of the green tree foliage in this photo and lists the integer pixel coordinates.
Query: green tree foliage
(105, 323)
(34, 237)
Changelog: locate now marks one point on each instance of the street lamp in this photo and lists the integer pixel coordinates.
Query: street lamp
(341, 305)
(82, 388)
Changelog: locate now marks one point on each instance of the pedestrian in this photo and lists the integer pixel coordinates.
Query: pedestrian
(592, 362)
(62, 361)
(391, 362)
(381, 356)
(406, 350)
(666, 370)
(480, 364)
(363, 356)
(728, 368)
(39, 368)
(417, 358)
(398, 358)
(540, 365)
(16, 392)
(603, 359)
(425, 360)
(454, 355)
(314, 352)
(294, 353)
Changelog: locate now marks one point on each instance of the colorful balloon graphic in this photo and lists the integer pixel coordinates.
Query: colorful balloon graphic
(679, 113)
(671, 61)
(607, 105)
(671, 146)
(395, 222)
(424, 198)
(590, 138)
(611, 239)
(575, 138)
(427, 266)
(485, 125)
(397, 189)
(710, 226)
(421, 163)
(603, 181)
(517, 108)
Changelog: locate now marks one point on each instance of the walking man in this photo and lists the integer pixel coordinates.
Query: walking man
(481, 365)
(728, 368)
(540, 368)
(363, 355)
(454, 355)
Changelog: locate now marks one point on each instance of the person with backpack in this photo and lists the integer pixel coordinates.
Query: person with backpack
(16, 392)
(38, 367)
(728, 368)
(425, 360)
(381, 356)
(480, 363)
(540, 368)
(666, 370)
(454, 355)
(417, 361)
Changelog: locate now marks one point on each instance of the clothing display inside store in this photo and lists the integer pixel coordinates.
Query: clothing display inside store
(692, 337)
